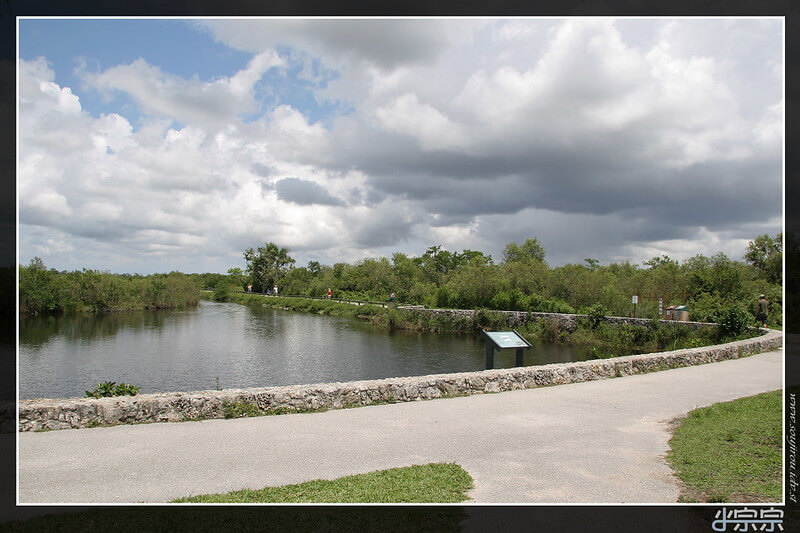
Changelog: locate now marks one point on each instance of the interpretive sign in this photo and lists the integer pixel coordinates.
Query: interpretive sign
(504, 339)
(507, 339)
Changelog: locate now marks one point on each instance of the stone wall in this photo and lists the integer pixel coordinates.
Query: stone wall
(178, 406)
(566, 322)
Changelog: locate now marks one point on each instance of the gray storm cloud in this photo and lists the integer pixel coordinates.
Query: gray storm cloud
(303, 192)
(386, 43)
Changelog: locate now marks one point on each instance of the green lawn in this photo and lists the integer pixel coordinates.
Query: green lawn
(731, 451)
(430, 483)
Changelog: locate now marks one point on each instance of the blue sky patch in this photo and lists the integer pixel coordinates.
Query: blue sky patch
(180, 48)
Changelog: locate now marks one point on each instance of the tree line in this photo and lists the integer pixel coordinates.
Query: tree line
(522, 280)
(44, 291)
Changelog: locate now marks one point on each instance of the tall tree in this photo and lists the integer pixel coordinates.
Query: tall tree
(530, 249)
(314, 267)
(237, 276)
(765, 253)
(268, 264)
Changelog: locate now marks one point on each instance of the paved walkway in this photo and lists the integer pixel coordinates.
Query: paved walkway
(594, 442)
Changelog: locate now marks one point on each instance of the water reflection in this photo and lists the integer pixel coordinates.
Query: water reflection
(36, 331)
(236, 346)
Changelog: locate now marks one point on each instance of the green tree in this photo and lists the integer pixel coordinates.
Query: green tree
(267, 265)
(314, 267)
(765, 253)
(438, 263)
(714, 275)
(39, 289)
(471, 287)
(297, 281)
(238, 277)
(474, 257)
(664, 280)
(530, 249)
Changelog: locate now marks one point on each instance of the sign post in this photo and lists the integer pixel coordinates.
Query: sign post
(635, 301)
(499, 340)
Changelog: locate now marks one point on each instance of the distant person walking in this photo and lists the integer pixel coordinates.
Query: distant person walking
(249, 288)
(275, 290)
(391, 298)
(762, 308)
(329, 293)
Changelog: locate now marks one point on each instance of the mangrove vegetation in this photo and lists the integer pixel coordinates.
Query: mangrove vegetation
(711, 287)
(44, 291)
(715, 288)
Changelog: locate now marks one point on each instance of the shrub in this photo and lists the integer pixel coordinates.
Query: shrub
(550, 330)
(668, 336)
(595, 315)
(110, 388)
(240, 409)
(221, 294)
(484, 318)
(39, 290)
(559, 306)
(538, 304)
(640, 335)
(501, 300)
(775, 315)
(733, 320)
(706, 307)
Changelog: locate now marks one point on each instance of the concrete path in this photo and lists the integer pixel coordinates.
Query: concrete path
(594, 442)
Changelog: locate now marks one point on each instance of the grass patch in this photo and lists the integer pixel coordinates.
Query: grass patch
(731, 451)
(430, 483)
(240, 409)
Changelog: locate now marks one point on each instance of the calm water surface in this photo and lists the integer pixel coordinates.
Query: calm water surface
(236, 346)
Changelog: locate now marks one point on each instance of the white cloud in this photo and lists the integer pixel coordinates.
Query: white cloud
(467, 133)
(769, 130)
(430, 127)
(207, 103)
(105, 212)
(50, 202)
(513, 30)
(67, 102)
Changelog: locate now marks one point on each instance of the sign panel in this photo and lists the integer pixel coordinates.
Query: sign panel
(635, 299)
(507, 339)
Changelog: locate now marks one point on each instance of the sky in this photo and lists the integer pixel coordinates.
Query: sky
(153, 145)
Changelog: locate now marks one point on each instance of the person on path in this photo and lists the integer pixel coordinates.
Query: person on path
(762, 308)
(391, 298)
(275, 290)
(329, 293)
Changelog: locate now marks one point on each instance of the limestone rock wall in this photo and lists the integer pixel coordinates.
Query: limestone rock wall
(179, 406)
(567, 322)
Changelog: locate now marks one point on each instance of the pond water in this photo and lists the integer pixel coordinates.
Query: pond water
(226, 345)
